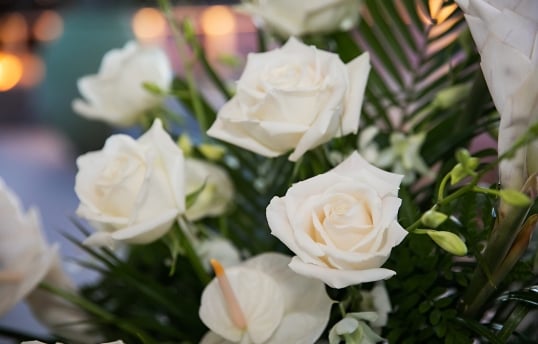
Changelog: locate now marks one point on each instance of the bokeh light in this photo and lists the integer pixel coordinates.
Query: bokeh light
(33, 70)
(148, 24)
(10, 71)
(218, 20)
(13, 30)
(48, 26)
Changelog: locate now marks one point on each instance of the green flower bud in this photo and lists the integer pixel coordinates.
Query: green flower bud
(448, 241)
(184, 142)
(211, 151)
(433, 218)
(515, 198)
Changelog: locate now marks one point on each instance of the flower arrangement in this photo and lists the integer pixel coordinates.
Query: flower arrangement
(340, 193)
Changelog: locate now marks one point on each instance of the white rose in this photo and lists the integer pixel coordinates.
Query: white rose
(116, 94)
(25, 257)
(217, 193)
(59, 315)
(299, 17)
(278, 305)
(293, 98)
(342, 224)
(131, 190)
(506, 33)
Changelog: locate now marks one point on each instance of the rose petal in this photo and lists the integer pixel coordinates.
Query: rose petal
(339, 278)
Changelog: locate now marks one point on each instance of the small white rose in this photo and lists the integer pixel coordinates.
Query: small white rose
(353, 329)
(377, 300)
(218, 248)
(293, 98)
(342, 224)
(278, 305)
(131, 190)
(25, 257)
(299, 17)
(116, 94)
(217, 193)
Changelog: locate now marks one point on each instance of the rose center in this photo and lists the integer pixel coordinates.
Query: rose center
(291, 77)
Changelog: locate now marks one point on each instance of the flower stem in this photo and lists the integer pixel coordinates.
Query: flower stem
(186, 240)
(179, 38)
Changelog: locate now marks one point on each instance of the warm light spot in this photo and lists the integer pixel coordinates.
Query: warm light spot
(148, 24)
(10, 71)
(48, 26)
(218, 20)
(13, 29)
(33, 70)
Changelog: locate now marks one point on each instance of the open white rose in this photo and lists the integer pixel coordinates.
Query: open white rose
(506, 35)
(217, 193)
(299, 17)
(293, 98)
(116, 94)
(25, 257)
(279, 306)
(131, 190)
(342, 224)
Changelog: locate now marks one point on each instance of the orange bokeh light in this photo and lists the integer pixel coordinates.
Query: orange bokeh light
(218, 20)
(13, 29)
(33, 70)
(48, 26)
(148, 24)
(10, 71)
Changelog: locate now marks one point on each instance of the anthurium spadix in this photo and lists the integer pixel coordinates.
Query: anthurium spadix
(263, 301)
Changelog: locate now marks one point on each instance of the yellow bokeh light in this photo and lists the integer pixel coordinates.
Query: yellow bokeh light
(10, 71)
(148, 23)
(48, 26)
(218, 20)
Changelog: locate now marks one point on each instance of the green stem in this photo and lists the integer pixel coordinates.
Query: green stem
(187, 239)
(189, 74)
(99, 312)
(513, 321)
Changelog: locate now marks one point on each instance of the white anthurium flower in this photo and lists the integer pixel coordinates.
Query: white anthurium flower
(354, 330)
(219, 248)
(506, 35)
(293, 98)
(263, 301)
(25, 257)
(60, 316)
(116, 94)
(377, 300)
(342, 224)
(217, 193)
(132, 190)
(299, 17)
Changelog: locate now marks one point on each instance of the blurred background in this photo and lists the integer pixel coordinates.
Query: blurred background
(45, 46)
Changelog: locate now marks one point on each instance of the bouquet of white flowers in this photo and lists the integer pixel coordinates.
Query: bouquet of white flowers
(337, 195)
